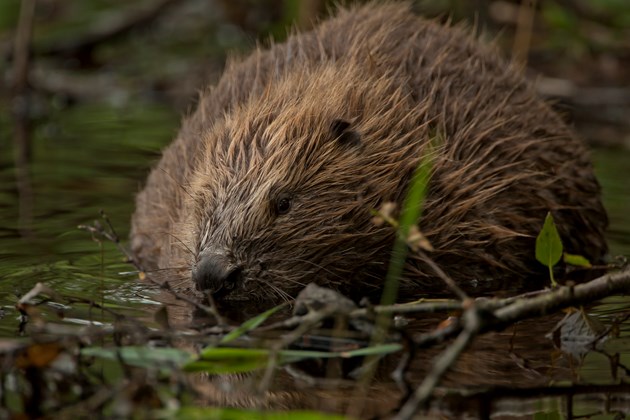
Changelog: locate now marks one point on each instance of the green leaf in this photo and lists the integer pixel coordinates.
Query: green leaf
(380, 349)
(145, 357)
(576, 260)
(192, 413)
(549, 246)
(291, 356)
(410, 214)
(220, 360)
(250, 324)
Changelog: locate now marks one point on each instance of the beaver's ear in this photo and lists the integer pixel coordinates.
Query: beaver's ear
(344, 134)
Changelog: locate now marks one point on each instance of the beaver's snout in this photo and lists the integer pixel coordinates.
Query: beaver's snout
(215, 273)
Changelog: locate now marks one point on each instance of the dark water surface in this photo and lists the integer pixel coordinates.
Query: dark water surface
(93, 157)
(85, 159)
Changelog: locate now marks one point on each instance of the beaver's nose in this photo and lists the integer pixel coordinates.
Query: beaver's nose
(215, 273)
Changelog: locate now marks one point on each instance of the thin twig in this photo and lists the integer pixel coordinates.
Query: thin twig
(215, 312)
(421, 306)
(445, 277)
(604, 286)
(542, 304)
(472, 324)
(310, 320)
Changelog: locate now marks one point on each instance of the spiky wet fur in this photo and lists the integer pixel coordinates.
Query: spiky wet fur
(503, 160)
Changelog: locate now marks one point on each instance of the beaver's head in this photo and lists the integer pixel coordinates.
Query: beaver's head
(283, 192)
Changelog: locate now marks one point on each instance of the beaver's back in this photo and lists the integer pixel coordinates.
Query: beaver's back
(504, 161)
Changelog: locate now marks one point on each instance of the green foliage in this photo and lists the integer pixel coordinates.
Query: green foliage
(549, 246)
(221, 360)
(549, 249)
(548, 415)
(250, 325)
(9, 10)
(560, 18)
(576, 260)
(617, 10)
(190, 413)
(145, 357)
(565, 31)
(411, 211)
(594, 25)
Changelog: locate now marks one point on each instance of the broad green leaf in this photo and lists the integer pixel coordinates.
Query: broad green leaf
(576, 260)
(549, 246)
(141, 356)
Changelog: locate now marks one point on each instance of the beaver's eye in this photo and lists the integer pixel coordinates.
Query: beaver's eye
(283, 204)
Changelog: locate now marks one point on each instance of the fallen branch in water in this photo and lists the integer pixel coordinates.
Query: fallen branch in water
(478, 318)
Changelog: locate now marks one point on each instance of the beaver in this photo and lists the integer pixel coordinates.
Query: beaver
(271, 183)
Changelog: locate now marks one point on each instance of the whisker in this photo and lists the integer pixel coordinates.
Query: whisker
(177, 283)
(187, 248)
(279, 275)
(204, 239)
(177, 183)
(279, 292)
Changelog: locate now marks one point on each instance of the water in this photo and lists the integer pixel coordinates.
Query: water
(85, 159)
(92, 157)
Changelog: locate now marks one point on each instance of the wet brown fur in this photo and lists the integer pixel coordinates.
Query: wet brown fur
(264, 131)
